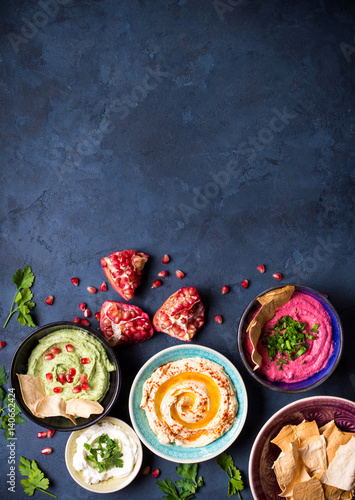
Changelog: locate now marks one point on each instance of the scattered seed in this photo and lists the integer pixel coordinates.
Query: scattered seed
(218, 319)
(225, 289)
(146, 470)
(179, 274)
(46, 451)
(41, 435)
(245, 283)
(83, 377)
(2, 344)
(103, 287)
(163, 274)
(166, 259)
(261, 268)
(76, 320)
(85, 322)
(49, 300)
(85, 386)
(69, 348)
(76, 389)
(48, 356)
(85, 361)
(55, 350)
(49, 377)
(87, 313)
(277, 276)
(97, 315)
(91, 289)
(75, 281)
(82, 306)
(57, 389)
(50, 433)
(156, 283)
(155, 473)
(72, 372)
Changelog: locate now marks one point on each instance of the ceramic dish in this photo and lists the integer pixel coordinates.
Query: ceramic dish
(109, 485)
(311, 382)
(173, 452)
(322, 409)
(19, 365)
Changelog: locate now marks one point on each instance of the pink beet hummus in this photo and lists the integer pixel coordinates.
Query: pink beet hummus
(308, 310)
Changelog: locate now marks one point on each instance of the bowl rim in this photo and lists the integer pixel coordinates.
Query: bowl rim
(130, 477)
(89, 330)
(180, 348)
(275, 415)
(265, 383)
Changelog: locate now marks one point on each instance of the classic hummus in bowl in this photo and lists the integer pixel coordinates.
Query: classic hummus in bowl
(188, 404)
(290, 338)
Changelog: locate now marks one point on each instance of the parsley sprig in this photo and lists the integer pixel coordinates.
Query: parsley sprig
(23, 279)
(188, 486)
(10, 406)
(106, 454)
(289, 338)
(35, 479)
(235, 483)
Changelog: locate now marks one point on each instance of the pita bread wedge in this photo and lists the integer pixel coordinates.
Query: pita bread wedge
(83, 407)
(289, 433)
(334, 438)
(313, 453)
(280, 296)
(307, 490)
(289, 470)
(341, 471)
(265, 313)
(52, 406)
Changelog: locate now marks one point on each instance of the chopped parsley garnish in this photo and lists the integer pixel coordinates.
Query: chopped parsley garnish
(105, 455)
(288, 338)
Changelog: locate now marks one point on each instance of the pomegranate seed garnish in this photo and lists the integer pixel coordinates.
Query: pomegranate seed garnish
(180, 274)
(76, 389)
(61, 378)
(156, 283)
(85, 386)
(85, 361)
(91, 289)
(72, 372)
(82, 306)
(163, 274)
(218, 319)
(155, 473)
(76, 320)
(87, 313)
(41, 435)
(55, 350)
(75, 281)
(69, 379)
(166, 259)
(261, 268)
(49, 377)
(245, 283)
(48, 356)
(50, 433)
(146, 470)
(83, 378)
(225, 289)
(85, 322)
(57, 389)
(97, 315)
(103, 287)
(46, 451)
(277, 276)
(2, 344)
(49, 300)
(69, 348)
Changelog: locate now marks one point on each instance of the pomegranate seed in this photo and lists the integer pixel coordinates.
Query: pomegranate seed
(261, 268)
(85, 361)
(2, 344)
(156, 283)
(83, 378)
(76, 389)
(91, 289)
(166, 259)
(41, 435)
(72, 372)
(103, 287)
(163, 274)
(245, 283)
(155, 473)
(76, 320)
(61, 378)
(218, 319)
(46, 451)
(97, 315)
(85, 386)
(55, 350)
(82, 306)
(49, 300)
(50, 433)
(48, 356)
(85, 322)
(180, 274)
(49, 377)
(87, 313)
(75, 281)
(146, 470)
(57, 389)
(69, 348)
(225, 289)
(277, 276)
(69, 379)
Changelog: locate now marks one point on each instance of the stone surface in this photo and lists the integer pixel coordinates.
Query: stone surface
(219, 133)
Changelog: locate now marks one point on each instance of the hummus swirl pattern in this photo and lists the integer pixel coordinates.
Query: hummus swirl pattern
(190, 402)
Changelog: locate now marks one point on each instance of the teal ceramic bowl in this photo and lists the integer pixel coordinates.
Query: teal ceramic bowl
(172, 452)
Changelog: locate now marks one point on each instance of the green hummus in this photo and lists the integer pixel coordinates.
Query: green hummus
(97, 370)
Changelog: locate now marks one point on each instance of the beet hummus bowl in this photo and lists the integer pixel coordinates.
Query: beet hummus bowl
(290, 338)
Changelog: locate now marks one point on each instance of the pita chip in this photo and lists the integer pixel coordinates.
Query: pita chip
(289, 470)
(341, 471)
(280, 296)
(52, 406)
(289, 433)
(265, 313)
(83, 407)
(334, 438)
(313, 453)
(307, 490)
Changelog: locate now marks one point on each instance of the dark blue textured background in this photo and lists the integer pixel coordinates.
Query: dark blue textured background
(220, 133)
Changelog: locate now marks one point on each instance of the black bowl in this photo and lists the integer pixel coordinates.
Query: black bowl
(19, 364)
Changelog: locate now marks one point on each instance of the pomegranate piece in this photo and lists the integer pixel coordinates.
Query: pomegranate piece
(97, 315)
(245, 283)
(49, 300)
(163, 274)
(182, 315)
(75, 281)
(85, 361)
(49, 377)
(166, 259)
(76, 389)
(277, 276)
(91, 289)
(218, 319)
(55, 350)
(61, 378)
(82, 306)
(69, 348)
(261, 268)
(83, 378)
(225, 289)
(50, 433)
(87, 313)
(72, 372)
(156, 284)
(57, 390)
(85, 386)
(123, 324)
(76, 320)
(85, 322)
(69, 379)
(103, 287)
(155, 473)
(179, 274)
(46, 451)
(49, 356)
(124, 270)
(41, 435)
(2, 344)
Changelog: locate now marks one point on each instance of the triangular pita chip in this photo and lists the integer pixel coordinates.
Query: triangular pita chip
(51, 406)
(265, 313)
(334, 437)
(313, 453)
(289, 433)
(280, 296)
(341, 471)
(309, 490)
(290, 469)
(83, 407)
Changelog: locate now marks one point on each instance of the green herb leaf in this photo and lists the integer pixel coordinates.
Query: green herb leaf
(167, 486)
(104, 454)
(187, 486)
(23, 279)
(3, 376)
(36, 479)
(187, 471)
(235, 483)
